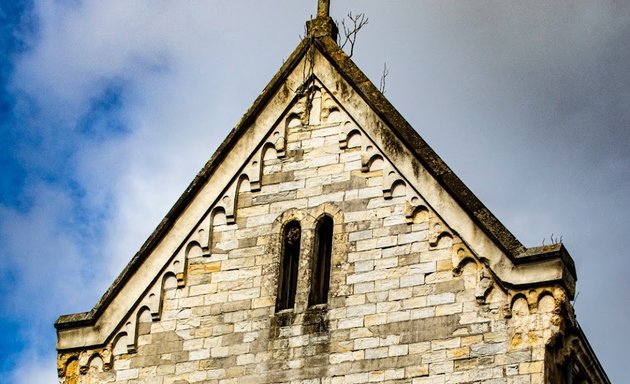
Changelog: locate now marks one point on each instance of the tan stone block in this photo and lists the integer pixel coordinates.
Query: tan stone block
(357, 299)
(376, 353)
(364, 266)
(386, 262)
(394, 374)
(244, 294)
(350, 323)
(398, 350)
(397, 316)
(414, 302)
(281, 206)
(360, 310)
(204, 268)
(422, 313)
(388, 306)
(448, 309)
(267, 301)
(394, 220)
(399, 294)
(376, 319)
(371, 254)
(437, 345)
(443, 298)
(473, 339)
(458, 353)
(254, 210)
(530, 367)
(202, 289)
(386, 284)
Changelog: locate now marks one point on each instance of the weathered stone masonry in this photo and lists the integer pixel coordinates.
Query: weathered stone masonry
(425, 286)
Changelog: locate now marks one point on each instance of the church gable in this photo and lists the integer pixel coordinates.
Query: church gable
(319, 241)
(315, 163)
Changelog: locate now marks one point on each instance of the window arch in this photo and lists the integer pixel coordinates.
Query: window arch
(320, 281)
(287, 284)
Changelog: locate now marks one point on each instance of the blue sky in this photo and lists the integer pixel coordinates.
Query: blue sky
(109, 109)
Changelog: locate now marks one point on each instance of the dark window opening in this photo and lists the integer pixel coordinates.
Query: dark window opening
(289, 266)
(321, 265)
(568, 372)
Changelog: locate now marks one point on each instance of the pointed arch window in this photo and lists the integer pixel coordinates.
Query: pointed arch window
(321, 264)
(287, 285)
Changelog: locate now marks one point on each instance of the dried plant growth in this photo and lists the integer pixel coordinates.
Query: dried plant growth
(383, 78)
(350, 31)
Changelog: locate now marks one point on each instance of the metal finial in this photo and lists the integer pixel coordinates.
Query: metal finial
(323, 8)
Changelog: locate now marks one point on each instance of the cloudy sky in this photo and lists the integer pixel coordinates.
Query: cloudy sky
(109, 108)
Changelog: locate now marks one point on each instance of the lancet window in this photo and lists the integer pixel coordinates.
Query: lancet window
(287, 285)
(320, 281)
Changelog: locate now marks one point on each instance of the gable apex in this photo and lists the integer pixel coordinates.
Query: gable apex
(394, 131)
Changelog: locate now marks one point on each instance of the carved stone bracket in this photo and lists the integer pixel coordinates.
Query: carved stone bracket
(485, 282)
(437, 230)
(537, 300)
(416, 210)
(76, 363)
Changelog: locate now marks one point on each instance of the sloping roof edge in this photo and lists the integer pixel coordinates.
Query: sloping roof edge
(590, 356)
(502, 237)
(85, 318)
(424, 153)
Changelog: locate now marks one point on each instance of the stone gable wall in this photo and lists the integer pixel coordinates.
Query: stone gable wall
(409, 301)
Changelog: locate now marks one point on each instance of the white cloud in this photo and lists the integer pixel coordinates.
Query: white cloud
(38, 247)
(35, 369)
(106, 195)
(191, 70)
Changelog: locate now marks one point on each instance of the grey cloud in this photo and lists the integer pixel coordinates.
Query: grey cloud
(526, 101)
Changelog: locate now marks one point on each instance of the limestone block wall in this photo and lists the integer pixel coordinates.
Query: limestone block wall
(409, 301)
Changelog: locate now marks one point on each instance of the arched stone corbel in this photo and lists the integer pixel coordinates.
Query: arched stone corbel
(267, 155)
(331, 111)
(131, 328)
(152, 301)
(242, 185)
(368, 156)
(91, 359)
(132, 323)
(119, 343)
(218, 217)
(278, 137)
(201, 235)
(532, 299)
(163, 283)
(546, 302)
(178, 267)
(84, 357)
(392, 183)
(294, 119)
(461, 256)
(416, 210)
(227, 202)
(253, 171)
(519, 305)
(68, 364)
(485, 282)
(96, 363)
(108, 358)
(437, 231)
(350, 136)
(314, 105)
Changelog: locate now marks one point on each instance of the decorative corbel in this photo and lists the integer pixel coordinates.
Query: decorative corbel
(485, 283)
(437, 230)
